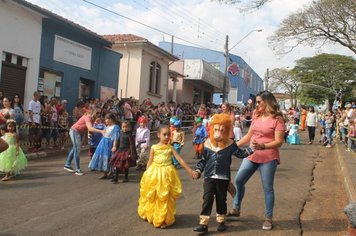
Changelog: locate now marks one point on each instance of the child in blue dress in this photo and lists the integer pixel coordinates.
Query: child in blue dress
(107, 145)
(95, 138)
(293, 136)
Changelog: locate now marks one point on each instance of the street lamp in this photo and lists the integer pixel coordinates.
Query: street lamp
(226, 47)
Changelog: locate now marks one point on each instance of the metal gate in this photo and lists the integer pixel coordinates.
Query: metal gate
(13, 80)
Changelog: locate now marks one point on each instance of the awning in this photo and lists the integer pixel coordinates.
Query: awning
(197, 70)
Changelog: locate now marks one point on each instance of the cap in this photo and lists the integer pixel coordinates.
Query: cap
(198, 120)
(177, 123)
(348, 105)
(64, 101)
(172, 120)
(142, 119)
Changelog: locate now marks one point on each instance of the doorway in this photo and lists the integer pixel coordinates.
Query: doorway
(86, 89)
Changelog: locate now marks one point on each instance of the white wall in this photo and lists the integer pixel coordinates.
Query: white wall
(232, 96)
(21, 35)
(130, 70)
(149, 55)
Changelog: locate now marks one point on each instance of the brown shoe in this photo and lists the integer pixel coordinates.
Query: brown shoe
(233, 212)
(267, 225)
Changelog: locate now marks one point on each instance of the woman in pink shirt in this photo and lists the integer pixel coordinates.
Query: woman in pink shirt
(265, 137)
(226, 108)
(77, 133)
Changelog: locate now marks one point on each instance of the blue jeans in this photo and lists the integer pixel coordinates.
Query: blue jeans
(344, 132)
(176, 147)
(75, 152)
(267, 172)
(328, 133)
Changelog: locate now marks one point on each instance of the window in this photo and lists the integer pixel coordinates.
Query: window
(155, 77)
(8, 57)
(19, 60)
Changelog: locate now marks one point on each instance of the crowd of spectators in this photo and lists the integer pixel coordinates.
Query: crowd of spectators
(336, 125)
(55, 119)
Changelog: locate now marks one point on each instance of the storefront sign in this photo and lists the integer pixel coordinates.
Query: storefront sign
(72, 53)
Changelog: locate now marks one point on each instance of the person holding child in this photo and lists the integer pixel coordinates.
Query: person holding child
(13, 159)
(160, 184)
(76, 133)
(265, 136)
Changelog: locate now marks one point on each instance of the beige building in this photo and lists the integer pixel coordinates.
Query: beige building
(194, 81)
(144, 68)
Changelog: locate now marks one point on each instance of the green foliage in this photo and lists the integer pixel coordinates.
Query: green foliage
(323, 21)
(326, 76)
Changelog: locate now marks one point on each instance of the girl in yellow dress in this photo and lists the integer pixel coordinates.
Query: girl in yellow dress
(160, 184)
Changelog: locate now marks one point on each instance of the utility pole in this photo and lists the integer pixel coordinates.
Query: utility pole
(267, 79)
(172, 44)
(226, 65)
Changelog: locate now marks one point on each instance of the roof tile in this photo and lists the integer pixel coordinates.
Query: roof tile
(123, 38)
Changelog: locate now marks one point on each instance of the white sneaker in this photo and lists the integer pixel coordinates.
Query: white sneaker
(79, 173)
(69, 169)
(267, 225)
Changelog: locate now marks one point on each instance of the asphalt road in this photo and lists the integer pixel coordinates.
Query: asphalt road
(47, 200)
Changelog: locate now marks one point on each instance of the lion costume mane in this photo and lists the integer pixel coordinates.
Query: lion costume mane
(223, 120)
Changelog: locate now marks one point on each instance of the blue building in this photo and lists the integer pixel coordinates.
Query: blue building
(76, 63)
(46, 52)
(245, 82)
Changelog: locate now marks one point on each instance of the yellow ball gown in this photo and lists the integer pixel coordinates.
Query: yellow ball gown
(159, 188)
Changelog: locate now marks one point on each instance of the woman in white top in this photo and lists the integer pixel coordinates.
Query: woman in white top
(312, 123)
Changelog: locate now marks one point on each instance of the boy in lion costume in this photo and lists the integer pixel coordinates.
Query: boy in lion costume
(216, 161)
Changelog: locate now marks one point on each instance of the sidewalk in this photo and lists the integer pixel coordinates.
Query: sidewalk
(347, 163)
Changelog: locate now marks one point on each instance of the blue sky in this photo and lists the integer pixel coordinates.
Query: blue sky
(202, 22)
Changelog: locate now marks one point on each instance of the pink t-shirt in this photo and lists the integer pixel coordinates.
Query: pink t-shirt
(264, 132)
(80, 126)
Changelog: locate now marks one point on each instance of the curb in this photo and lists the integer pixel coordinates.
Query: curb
(44, 154)
(349, 186)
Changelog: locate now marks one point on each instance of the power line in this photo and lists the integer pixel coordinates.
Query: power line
(184, 16)
(146, 25)
(187, 27)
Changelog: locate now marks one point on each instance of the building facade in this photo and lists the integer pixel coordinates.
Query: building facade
(46, 52)
(245, 82)
(20, 45)
(196, 82)
(76, 64)
(144, 68)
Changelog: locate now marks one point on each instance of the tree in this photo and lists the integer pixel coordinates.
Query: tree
(324, 21)
(326, 77)
(283, 80)
(250, 5)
